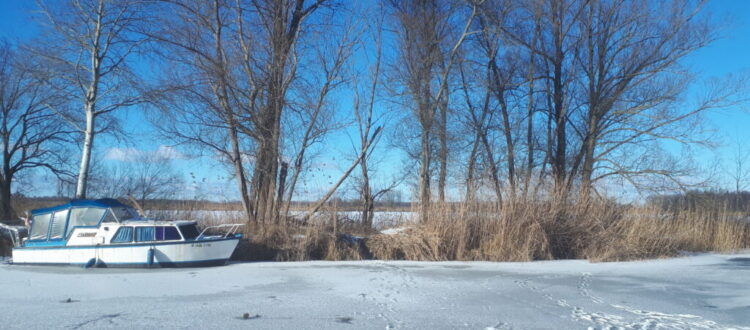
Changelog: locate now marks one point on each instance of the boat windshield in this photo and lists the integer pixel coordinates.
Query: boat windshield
(84, 216)
(189, 231)
(40, 226)
(123, 213)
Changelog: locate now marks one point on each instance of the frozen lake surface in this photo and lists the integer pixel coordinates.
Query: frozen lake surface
(381, 219)
(696, 292)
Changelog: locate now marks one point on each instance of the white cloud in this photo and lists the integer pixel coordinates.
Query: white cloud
(167, 152)
(121, 154)
(133, 154)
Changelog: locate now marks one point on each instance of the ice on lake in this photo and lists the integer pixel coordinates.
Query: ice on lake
(707, 291)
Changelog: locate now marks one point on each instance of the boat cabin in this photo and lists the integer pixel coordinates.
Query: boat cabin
(101, 222)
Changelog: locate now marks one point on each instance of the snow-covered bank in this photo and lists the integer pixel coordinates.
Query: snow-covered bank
(696, 292)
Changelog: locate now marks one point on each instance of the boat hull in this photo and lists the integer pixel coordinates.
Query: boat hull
(208, 252)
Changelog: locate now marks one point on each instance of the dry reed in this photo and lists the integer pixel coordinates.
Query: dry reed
(598, 231)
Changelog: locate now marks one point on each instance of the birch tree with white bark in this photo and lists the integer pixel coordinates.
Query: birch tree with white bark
(90, 47)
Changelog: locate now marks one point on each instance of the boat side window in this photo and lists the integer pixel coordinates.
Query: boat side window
(57, 227)
(40, 226)
(170, 234)
(167, 234)
(144, 234)
(123, 235)
(84, 216)
(189, 231)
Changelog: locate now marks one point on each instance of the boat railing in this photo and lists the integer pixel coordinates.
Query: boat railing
(13, 232)
(231, 229)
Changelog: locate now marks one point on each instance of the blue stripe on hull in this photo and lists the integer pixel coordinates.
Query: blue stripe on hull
(169, 264)
(112, 246)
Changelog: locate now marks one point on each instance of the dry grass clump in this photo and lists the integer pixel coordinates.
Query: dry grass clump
(416, 243)
(597, 230)
(650, 233)
(293, 240)
(467, 232)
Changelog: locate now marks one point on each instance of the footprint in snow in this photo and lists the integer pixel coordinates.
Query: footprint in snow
(347, 320)
(499, 326)
(247, 316)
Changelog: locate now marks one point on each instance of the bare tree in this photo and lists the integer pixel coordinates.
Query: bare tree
(332, 60)
(558, 29)
(609, 80)
(144, 176)
(442, 135)
(426, 55)
(501, 85)
(531, 101)
(633, 80)
(204, 111)
(548, 29)
(479, 118)
(366, 122)
(33, 137)
(240, 59)
(89, 43)
(270, 61)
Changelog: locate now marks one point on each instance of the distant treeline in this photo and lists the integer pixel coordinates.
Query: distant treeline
(22, 204)
(689, 201)
(694, 200)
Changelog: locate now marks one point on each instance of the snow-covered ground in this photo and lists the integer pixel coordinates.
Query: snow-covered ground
(695, 292)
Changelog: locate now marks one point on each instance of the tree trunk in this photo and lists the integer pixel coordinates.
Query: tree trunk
(530, 117)
(588, 170)
(493, 168)
(88, 144)
(510, 148)
(90, 106)
(280, 190)
(240, 173)
(588, 149)
(367, 202)
(559, 163)
(499, 89)
(267, 166)
(6, 210)
(424, 177)
(367, 207)
(443, 153)
(560, 140)
(292, 183)
(261, 181)
(7, 175)
(470, 187)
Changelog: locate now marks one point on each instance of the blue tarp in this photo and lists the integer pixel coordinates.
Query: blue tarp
(103, 203)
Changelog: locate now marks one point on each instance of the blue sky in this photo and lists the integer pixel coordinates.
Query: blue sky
(727, 56)
(205, 176)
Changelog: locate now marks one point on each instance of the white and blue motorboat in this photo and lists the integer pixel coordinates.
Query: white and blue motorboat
(107, 233)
